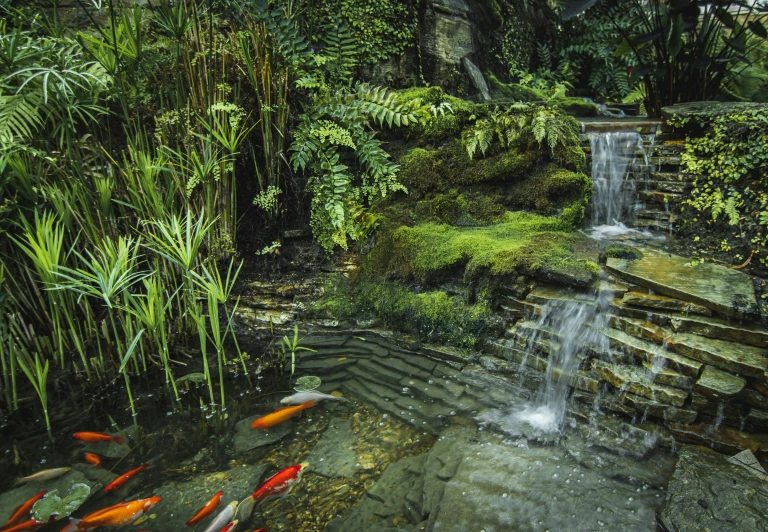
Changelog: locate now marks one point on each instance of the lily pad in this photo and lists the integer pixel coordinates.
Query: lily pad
(307, 383)
(191, 377)
(54, 506)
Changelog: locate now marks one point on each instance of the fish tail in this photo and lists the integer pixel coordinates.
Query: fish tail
(72, 526)
(119, 440)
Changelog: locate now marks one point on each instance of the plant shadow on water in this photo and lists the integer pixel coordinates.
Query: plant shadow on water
(423, 438)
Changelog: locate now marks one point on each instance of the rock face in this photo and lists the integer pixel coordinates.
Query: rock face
(446, 38)
(708, 492)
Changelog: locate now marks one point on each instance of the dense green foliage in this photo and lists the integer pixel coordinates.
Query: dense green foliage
(688, 51)
(729, 160)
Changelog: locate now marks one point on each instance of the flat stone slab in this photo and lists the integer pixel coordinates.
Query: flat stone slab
(724, 290)
(636, 381)
(721, 330)
(663, 303)
(740, 359)
(247, 439)
(334, 454)
(747, 459)
(718, 384)
(723, 439)
(656, 409)
(651, 352)
(707, 492)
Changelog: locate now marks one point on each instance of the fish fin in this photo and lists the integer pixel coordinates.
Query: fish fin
(72, 526)
(120, 440)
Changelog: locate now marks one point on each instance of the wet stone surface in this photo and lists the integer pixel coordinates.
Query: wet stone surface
(247, 439)
(707, 492)
(334, 455)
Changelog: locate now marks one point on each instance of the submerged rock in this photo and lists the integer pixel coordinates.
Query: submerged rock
(182, 499)
(247, 438)
(708, 492)
(334, 455)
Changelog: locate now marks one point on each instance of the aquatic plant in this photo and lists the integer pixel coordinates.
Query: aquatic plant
(37, 373)
(292, 346)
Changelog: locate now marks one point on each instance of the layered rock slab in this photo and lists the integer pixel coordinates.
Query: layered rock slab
(724, 290)
(707, 492)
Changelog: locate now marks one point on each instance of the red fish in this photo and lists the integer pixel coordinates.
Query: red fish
(22, 511)
(31, 524)
(230, 527)
(96, 437)
(93, 459)
(280, 415)
(280, 482)
(206, 510)
(116, 515)
(120, 481)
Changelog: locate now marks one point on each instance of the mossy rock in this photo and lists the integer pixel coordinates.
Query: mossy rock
(622, 251)
(523, 243)
(424, 170)
(549, 189)
(446, 124)
(514, 91)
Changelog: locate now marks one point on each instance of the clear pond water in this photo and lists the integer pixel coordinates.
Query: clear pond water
(422, 444)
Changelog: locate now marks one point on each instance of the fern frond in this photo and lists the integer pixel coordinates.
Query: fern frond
(20, 116)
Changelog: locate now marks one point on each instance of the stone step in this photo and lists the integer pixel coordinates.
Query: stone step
(661, 197)
(668, 377)
(643, 126)
(656, 409)
(727, 291)
(662, 216)
(740, 359)
(639, 328)
(677, 187)
(719, 385)
(653, 353)
(620, 309)
(671, 176)
(654, 225)
(402, 367)
(543, 294)
(635, 380)
(747, 333)
(380, 371)
(657, 302)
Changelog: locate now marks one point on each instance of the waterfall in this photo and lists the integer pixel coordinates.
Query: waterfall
(614, 155)
(572, 326)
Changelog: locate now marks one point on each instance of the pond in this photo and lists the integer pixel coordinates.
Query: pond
(409, 442)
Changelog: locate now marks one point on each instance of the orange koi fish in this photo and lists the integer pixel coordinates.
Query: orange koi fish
(31, 524)
(281, 415)
(206, 510)
(48, 474)
(120, 481)
(281, 482)
(96, 437)
(262, 529)
(93, 459)
(230, 527)
(22, 511)
(117, 515)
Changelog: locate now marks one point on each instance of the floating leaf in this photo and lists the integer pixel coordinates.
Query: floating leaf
(307, 383)
(192, 377)
(54, 506)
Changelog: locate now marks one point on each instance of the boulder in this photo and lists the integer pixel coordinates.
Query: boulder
(708, 492)
(333, 455)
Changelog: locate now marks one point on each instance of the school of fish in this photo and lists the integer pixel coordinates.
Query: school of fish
(126, 512)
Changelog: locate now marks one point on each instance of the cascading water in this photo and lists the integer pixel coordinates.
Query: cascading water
(614, 156)
(572, 327)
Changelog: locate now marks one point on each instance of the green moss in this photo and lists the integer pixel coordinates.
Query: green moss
(419, 170)
(486, 209)
(620, 251)
(433, 316)
(512, 91)
(524, 243)
(425, 170)
(577, 107)
(549, 189)
(444, 125)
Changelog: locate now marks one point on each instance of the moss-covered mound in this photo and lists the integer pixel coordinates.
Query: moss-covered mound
(434, 316)
(539, 246)
(519, 93)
